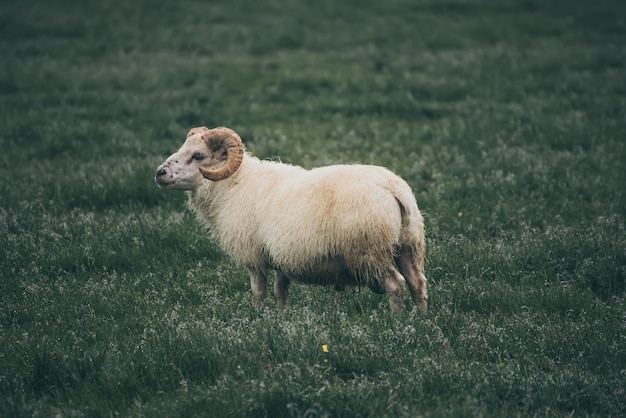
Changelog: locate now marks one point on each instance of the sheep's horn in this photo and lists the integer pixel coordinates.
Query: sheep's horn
(224, 138)
(196, 130)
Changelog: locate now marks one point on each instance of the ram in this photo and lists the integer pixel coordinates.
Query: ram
(341, 225)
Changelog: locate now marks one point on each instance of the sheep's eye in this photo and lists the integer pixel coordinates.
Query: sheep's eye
(198, 156)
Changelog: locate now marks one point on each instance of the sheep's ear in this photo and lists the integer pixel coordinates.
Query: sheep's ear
(193, 131)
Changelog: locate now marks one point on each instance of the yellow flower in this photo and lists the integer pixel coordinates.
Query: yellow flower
(459, 214)
(325, 348)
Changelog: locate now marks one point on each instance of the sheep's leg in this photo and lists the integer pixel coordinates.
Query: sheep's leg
(418, 285)
(281, 288)
(258, 283)
(394, 285)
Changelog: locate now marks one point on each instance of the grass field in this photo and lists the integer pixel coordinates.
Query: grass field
(507, 118)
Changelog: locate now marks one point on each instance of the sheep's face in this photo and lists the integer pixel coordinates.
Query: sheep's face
(181, 171)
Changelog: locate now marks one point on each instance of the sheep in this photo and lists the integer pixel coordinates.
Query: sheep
(341, 225)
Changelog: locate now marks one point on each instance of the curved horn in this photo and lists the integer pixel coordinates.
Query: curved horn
(196, 130)
(228, 139)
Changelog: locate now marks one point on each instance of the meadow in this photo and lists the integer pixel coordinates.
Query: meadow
(506, 117)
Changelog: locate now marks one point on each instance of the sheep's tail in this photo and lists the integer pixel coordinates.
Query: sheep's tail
(412, 235)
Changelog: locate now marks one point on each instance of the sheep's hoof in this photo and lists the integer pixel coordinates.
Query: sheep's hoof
(377, 287)
(422, 306)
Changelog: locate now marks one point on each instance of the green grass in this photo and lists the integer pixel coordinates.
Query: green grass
(506, 118)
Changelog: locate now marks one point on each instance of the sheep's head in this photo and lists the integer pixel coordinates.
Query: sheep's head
(213, 154)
